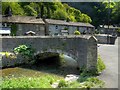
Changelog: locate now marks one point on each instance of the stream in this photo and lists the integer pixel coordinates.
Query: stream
(69, 67)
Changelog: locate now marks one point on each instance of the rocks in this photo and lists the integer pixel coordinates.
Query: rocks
(55, 84)
(71, 77)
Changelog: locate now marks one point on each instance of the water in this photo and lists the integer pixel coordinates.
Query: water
(69, 67)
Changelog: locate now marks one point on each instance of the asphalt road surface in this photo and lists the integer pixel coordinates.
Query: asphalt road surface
(109, 54)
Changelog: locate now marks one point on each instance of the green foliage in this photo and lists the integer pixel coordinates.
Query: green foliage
(92, 82)
(100, 65)
(96, 32)
(25, 51)
(65, 28)
(54, 10)
(62, 60)
(15, 6)
(29, 82)
(62, 84)
(13, 29)
(99, 11)
(29, 11)
(60, 14)
(77, 32)
(118, 30)
(7, 54)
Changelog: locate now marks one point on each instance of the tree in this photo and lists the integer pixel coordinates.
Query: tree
(16, 8)
(29, 11)
(60, 14)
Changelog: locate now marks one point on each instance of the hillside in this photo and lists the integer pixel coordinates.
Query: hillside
(54, 10)
(100, 12)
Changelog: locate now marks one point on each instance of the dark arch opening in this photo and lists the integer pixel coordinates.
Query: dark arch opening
(52, 62)
(47, 59)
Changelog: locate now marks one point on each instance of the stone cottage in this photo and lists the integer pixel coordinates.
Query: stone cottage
(30, 25)
(103, 29)
(20, 25)
(58, 27)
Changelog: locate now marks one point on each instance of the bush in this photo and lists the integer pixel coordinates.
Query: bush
(92, 82)
(100, 65)
(62, 83)
(118, 30)
(77, 32)
(65, 28)
(97, 32)
(24, 50)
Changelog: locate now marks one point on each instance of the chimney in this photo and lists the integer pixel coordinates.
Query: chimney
(8, 11)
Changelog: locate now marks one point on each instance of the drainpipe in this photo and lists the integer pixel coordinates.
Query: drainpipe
(46, 27)
(108, 38)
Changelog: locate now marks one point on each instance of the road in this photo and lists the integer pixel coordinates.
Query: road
(109, 54)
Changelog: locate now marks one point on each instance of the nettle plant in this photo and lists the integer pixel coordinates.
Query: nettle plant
(25, 51)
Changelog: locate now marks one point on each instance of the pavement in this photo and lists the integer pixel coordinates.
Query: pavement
(109, 54)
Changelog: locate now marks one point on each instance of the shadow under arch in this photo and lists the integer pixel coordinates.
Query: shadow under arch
(58, 51)
(49, 65)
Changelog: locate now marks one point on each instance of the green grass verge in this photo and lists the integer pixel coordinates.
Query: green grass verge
(30, 82)
(100, 65)
(86, 80)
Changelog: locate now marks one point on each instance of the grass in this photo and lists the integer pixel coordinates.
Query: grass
(86, 80)
(30, 82)
(100, 65)
(89, 82)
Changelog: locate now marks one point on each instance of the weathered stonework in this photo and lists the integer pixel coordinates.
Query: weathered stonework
(105, 39)
(23, 28)
(81, 48)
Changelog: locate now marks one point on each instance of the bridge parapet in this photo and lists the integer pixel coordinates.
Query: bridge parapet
(82, 48)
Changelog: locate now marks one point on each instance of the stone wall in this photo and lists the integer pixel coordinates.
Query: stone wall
(81, 48)
(23, 28)
(104, 39)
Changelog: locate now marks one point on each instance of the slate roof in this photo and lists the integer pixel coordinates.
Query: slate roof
(22, 19)
(33, 20)
(111, 27)
(62, 22)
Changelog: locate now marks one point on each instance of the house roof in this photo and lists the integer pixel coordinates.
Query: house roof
(22, 19)
(33, 20)
(110, 26)
(81, 24)
(63, 22)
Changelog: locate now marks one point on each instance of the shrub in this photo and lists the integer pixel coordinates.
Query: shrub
(62, 83)
(97, 32)
(7, 54)
(100, 65)
(77, 32)
(92, 82)
(24, 50)
(65, 28)
(118, 30)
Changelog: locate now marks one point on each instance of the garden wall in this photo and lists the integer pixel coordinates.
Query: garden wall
(104, 39)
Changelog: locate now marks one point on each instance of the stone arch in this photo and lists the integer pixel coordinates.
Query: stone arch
(59, 52)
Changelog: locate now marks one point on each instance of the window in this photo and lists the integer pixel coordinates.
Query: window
(4, 25)
(56, 27)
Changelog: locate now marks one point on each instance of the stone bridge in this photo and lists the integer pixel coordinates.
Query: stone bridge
(81, 48)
